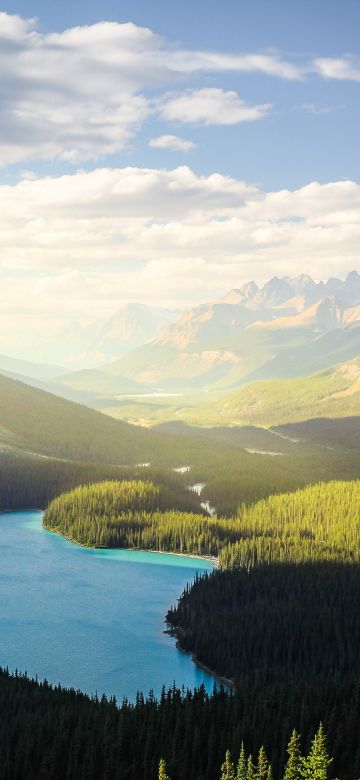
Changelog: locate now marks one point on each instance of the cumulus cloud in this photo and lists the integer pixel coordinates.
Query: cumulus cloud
(83, 93)
(212, 106)
(110, 222)
(173, 142)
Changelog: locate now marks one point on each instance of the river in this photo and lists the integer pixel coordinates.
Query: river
(91, 619)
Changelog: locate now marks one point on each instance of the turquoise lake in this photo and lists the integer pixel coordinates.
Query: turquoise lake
(90, 619)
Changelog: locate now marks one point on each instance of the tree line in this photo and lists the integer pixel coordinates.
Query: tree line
(51, 733)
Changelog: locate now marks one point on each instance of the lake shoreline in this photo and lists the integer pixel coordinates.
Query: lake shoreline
(209, 558)
(178, 633)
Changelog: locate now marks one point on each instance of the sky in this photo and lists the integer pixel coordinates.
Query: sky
(164, 152)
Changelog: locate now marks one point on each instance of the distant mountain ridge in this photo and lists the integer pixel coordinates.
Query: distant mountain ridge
(253, 329)
(28, 368)
(279, 290)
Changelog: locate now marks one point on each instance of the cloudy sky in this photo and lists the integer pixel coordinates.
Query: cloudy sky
(164, 152)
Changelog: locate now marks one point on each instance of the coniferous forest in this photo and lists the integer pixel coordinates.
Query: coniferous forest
(278, 620)
(317, 523)
(50, 733)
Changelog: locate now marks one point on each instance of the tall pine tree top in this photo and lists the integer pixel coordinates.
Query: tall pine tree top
(316, 765)
(241, 767)
(162, 771)
(227, 769)
(293, 770)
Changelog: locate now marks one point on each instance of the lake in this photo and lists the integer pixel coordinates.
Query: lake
(91, 619)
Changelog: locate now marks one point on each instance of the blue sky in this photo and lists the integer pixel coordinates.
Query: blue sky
(164, 152)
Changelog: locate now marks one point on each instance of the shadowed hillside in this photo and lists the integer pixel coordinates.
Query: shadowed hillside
(37, 421)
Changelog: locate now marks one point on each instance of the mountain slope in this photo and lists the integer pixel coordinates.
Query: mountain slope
(334, 392)
(36, 421)
(97, 382)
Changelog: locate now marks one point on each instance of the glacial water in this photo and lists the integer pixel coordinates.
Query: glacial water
(90, 619)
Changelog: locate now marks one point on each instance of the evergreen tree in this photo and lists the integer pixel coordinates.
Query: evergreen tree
(251, 771)
(162, 771)
(263, 765)
(294, 764)
(269, 775)
(227, 769)
(315, 766)
(241, 767)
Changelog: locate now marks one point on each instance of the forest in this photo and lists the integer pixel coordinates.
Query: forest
(51, 733)
(29, 482)
(135, 515)
(279, 615)
(317, 523)
(288, 636)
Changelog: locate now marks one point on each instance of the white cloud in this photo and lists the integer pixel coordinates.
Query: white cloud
(313, 108)
(172, 142)
(82, 93)
(75, 248)
(203, 61)
(104, 225)
(342, 68)
(212, 106)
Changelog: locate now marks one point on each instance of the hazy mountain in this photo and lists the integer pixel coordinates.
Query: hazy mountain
(127, 329)
(90, 343)
(273, 330)
(35, 370)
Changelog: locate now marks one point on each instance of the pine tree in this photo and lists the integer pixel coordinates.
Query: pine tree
(227, 769)
(315, 766)
(294, 764)
(162, 771)
(263, 765)
(241, 767)
(269, 775)
(251, 772)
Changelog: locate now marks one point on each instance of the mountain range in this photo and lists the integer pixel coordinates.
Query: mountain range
(286, 328)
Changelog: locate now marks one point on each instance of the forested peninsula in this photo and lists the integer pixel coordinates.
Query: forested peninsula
(317, 523)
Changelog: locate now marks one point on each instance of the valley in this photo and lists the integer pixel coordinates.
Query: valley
(142, 482)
